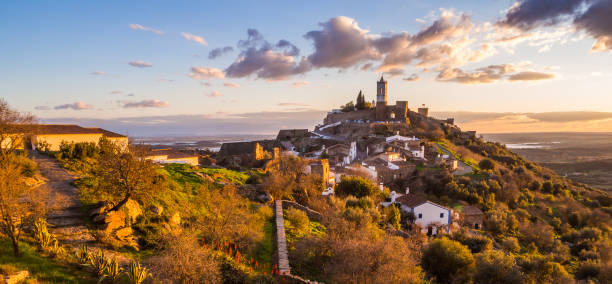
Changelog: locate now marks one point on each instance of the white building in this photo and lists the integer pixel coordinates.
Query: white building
(428, 215)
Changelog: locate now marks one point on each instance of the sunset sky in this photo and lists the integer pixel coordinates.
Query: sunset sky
(219, 67)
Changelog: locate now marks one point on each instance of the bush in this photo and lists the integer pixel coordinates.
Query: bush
(355, 186)
(511, 244)
(476, 243)
(448, 261)
(496, 267)
(486, 165)
(297, 222)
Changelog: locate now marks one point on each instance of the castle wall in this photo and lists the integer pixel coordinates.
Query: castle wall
(366, 114)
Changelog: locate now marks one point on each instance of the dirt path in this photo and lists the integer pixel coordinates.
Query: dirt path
(68, 219)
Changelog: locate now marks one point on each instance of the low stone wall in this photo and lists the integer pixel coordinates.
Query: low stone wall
(281, 240)
(312, 215)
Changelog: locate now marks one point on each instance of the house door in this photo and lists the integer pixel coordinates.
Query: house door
(476, 226)
(429, 231)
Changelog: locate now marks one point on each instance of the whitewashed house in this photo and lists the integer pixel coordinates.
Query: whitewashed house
(429, 216)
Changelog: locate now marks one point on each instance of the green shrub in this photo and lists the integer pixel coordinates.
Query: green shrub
(136, 273)
(355, 186)
(448, 261)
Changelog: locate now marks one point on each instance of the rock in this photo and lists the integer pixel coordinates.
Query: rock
(132, 209)
(157, 210)
(123, 233)
(16, 278)
(175, 220)
(264, 197)
(100, 208)
(112, 220)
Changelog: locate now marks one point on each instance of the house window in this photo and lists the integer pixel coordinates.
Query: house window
(441, 215)
(420, 216)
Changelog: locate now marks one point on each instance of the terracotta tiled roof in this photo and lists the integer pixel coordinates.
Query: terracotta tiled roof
(411, 200)
(71, 129)
(470, 210)
(107, 133)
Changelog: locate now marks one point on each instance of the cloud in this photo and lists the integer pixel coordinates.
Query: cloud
(366, 67)
(530, 76)
(215, 94)
(140, 64)
(98, 73)
(42, 108)
(116, 92)
(493, 73)
(412, 78)
(231, 85)
(145, 104)
(293, 104)
(143, 28)
(74, 106)
(300, 84)
(219, 51)
(267, 61)
(596, 22)
(528, 14)
(394, 72)
(206, 73)
(341, 43)
(195, 38)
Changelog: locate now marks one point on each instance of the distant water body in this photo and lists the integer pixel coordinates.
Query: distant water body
(531, 145)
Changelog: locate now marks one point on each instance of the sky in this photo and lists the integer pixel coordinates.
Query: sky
(155, 68)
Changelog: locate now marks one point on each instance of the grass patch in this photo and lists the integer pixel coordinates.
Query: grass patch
(264, 250)
(41, 268)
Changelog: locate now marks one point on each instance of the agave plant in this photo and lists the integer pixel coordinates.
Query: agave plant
(41, 234)
(56, 250)
(99, 262)
(136, 273)
(112, 272)
(82, 255)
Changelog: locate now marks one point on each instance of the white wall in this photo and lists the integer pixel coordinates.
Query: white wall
(430, 215)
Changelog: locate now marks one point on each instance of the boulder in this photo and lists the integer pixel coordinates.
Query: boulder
(111, 220)
(16, 278)
(100, 208)
(132, 209)
(157, 210)
(175, 220)
(123, 233)
(263, 197)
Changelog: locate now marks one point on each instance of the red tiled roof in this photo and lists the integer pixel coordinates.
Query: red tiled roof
(411, 200)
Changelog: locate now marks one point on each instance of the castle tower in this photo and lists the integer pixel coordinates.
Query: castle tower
(381, 91)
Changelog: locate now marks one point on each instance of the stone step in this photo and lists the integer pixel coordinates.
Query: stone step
(67, 222)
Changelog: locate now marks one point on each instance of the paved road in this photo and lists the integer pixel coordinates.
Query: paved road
(67, 219)
(462, 168)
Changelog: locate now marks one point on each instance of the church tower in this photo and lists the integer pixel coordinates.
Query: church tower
(381, 92)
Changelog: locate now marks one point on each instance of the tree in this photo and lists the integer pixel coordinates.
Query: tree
(394, 217)
(486, 165)
(355, 186)
(448, 261)
(20, 204)
(496, 267)
(348, 107)
(361, 103)
(125, 173)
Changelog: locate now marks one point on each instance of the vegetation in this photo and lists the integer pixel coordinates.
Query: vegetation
(355, 186)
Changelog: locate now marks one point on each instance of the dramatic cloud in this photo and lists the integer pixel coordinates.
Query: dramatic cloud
(231, 85)
(341, 43)
(215, 94)
(267, 61)
(195, 38)
(219, 51)
(530, 76)
(140, 64)
(145, 104)
(300, 84)
(206, 73)
(528, 14)
(98, 73)
(143, 28)
(74, 106)
(597, 22)
(412, 78)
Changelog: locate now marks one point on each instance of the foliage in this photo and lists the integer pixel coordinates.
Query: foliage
(99, 262)
(475, 242)
(79, 151)
(136, 273)
(486, 165)
(82, 255)
(297, 224)
(350, 106)
(112, 272)
(361, 102)
(41, 234)
(394, 216)
(355, 186)
(43, 270)
(448, 261)
(496, 267)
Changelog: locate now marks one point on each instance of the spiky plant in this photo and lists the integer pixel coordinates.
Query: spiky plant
(41, 234)
(136, 273)
(55, 249)
(82, 255)
(99, 262)
(112, 273)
